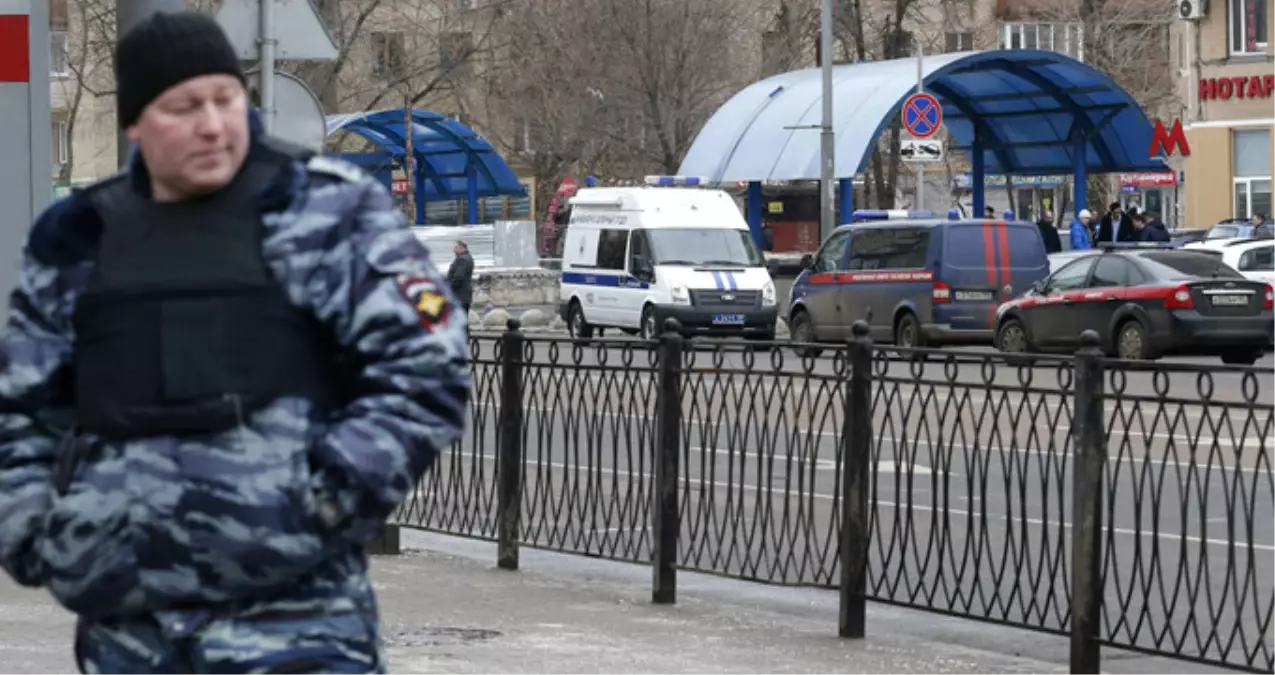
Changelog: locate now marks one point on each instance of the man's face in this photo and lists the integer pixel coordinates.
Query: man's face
(1116, 212)
(194, 137)
(458, 249)
(1255, 220)
(1139, 224)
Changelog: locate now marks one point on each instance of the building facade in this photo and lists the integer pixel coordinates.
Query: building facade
(1227, 84)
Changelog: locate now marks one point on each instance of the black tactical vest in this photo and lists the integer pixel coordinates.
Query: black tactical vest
(181, 328)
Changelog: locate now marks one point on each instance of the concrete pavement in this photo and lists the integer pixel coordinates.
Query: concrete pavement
(455, 613)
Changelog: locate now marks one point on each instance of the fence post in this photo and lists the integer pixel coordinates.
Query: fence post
(668, 453)
(509, 472)
(856, 477)
(1089, 458)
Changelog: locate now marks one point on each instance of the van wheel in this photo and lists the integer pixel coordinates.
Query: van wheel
(650, 329)
(803, 331)
(577, 327)
(907, 332)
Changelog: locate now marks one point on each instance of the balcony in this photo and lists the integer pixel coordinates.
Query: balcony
(1061, 37)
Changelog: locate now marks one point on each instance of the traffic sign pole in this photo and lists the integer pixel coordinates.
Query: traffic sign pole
(920, 89)
(26, 171)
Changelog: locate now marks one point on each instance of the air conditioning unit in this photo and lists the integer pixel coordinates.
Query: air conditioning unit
(1192, 10)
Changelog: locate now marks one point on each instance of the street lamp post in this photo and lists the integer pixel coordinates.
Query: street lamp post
(827, 148)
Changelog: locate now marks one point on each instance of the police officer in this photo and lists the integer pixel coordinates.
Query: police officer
(222, 371)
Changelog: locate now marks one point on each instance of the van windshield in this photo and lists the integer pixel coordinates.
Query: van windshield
(704, 246)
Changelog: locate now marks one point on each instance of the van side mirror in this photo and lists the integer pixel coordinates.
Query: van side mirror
(1039, 285)
(807, 261)
(772, 266)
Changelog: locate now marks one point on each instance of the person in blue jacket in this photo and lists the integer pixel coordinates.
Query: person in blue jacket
(1080, 230)
(223, 370)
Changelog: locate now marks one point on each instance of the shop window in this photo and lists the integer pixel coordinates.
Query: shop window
(1247, 23)
(1251, 167)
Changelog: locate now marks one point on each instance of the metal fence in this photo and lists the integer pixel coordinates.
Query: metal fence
(1127, 504)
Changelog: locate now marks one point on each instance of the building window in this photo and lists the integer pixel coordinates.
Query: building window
(1064, 38)
(906, 44)
(387, 53)
(958, 42)
(61, 136)
(774, 52)
(455, 54)
(1251, 167)
(1247, 19)
(59, 65)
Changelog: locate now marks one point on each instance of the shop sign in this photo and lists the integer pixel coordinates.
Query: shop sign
(1141, 180)
(964, 181)
(1240, 86)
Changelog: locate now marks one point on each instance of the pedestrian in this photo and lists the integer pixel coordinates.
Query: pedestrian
(264, 365)
(1049, 233)
(989, 213)
(1080, 230)
(1149, 228)
(460, 276)
(1115, 226)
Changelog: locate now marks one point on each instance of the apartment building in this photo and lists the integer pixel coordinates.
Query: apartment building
(1227, 81)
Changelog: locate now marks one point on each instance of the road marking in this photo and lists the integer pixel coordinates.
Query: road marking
(1167, 536)
(883, 466)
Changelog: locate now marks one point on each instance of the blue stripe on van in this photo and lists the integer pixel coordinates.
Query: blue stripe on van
(730, 277)
(717, 280)
(615, 280)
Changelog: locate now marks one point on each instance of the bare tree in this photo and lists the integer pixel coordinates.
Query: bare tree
(671, 63)
(86, 67)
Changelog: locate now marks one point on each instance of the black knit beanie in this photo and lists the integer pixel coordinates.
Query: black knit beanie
(164, 50)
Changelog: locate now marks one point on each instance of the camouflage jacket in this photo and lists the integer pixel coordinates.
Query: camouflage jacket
(289, 497)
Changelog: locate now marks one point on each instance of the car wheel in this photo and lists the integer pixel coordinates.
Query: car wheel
(650, 326)
(803, 332)
(1241, 357)
(1131, 341)
(577, 327)
(907, 333)
(1012, 337)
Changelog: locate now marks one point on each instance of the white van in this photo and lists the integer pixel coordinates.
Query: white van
(635, 256)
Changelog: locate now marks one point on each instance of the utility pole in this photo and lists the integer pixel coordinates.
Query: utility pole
(827, 147)
(129, 13)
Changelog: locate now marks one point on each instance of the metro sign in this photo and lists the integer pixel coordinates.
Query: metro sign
(1167, 140)
(15, 48)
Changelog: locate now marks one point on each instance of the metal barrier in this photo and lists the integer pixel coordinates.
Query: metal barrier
(1127, 504)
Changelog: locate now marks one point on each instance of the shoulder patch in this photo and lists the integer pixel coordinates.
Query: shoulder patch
(427, 299)
(334, 167)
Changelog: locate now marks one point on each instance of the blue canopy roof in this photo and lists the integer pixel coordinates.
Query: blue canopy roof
(1026, 104)
(447, 153)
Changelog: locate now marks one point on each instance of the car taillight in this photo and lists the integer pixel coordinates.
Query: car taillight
(1269, 302)
(1180, 298)
(942, 293)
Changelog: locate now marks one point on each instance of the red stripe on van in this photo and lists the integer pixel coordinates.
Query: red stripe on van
(989, 253)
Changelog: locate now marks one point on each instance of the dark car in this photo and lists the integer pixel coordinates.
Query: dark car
(1144, 303)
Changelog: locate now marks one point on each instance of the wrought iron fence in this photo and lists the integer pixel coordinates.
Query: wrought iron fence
(946, 477)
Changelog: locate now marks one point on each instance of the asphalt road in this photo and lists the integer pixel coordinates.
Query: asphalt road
(972, 481)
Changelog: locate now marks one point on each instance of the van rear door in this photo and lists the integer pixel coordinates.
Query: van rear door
(985, 263)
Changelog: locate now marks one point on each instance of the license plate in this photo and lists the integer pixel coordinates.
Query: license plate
(1230, 300)
(972, 296)
(728, 319)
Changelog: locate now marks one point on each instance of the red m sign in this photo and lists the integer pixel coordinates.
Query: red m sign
(1165, 141)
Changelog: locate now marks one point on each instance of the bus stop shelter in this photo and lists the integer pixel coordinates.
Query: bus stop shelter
(1015, 112)
(451, 160)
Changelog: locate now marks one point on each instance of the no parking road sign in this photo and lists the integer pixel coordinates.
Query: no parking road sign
(922, 115)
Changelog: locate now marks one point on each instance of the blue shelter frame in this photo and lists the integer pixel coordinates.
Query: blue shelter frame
(1016, 112)
(451, 160)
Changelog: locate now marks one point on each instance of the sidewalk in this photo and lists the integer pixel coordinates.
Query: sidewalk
(448, 609)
